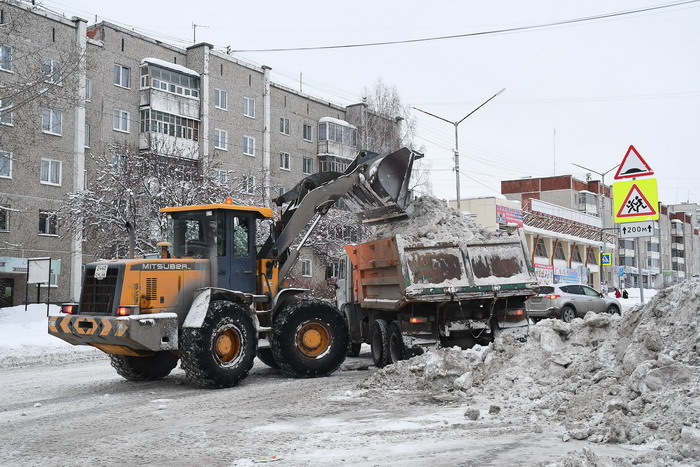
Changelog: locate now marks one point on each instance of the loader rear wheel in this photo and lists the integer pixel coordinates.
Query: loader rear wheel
(380, 343)
(221, 352)
(265, 355)
(397, 347)
(149, 368)
(310, 338)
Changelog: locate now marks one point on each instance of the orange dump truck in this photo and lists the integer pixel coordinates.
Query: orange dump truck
(401, 295)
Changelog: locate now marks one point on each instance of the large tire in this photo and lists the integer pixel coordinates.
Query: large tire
(380, 343)
(397, 347)
(265, 355)
(310, 338)
(221, 352)
(354, 349)
(568, 314)
(149, 368)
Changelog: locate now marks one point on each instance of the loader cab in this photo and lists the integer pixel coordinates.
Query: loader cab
(222, 233)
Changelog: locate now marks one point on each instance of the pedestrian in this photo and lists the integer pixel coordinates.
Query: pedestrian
(617, 292)
(625, 294)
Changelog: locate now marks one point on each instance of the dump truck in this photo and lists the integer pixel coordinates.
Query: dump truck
(402, 295)
(213, 299)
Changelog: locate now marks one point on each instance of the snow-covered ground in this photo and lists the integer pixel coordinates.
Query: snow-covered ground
(604, 390)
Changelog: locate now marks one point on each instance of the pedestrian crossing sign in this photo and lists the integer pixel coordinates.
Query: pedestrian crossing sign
(606, 259)
(636, 200)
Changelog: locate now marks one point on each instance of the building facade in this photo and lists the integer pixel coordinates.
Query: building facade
(99, 90)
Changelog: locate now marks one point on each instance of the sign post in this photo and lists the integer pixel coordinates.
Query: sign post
(39, 272)
(636, 203)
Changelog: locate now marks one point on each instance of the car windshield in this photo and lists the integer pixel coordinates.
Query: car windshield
(193, 234)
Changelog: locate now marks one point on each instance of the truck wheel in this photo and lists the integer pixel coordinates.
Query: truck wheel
(265, 356)
(354, 349)
(220, 353)
(380, 343)
(150, 368)
(397, 347)
(310, 338)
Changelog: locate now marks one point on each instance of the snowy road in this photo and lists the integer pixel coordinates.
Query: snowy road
(82, 413)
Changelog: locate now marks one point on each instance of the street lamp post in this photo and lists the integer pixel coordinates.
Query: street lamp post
(456, 125)
(601, 197)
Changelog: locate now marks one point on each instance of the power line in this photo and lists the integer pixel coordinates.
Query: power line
(492, 32)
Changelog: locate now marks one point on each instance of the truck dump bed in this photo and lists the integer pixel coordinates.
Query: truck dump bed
(391, 272)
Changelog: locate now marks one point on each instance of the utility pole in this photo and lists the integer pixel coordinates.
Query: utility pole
(456, 125)
(603, 215)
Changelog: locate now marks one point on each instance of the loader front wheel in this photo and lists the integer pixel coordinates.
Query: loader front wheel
(310, 338)
(221, 352)
(380, 343)
(149, 368)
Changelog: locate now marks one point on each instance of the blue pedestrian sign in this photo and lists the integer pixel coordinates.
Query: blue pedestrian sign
(606, 259)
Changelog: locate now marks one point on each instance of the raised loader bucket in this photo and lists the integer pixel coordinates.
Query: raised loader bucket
(382, 192)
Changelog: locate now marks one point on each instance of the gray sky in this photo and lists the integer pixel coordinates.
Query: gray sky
(602, 84)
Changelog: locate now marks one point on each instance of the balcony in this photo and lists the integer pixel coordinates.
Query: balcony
(677, 246)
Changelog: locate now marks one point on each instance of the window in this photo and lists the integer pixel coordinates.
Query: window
(332, 270)
(5, 58)
(169, 124)
(541, 249)
(284, 160)
(221, 176)
(308, 132)
(5, 164)
(50, 172)
(120, 120)
(220, 99)
(5, 219)
(249, 107)
(122, 76)
(169, 81)
(284, 126)
(328, 131)
(241, 237)
(249, 184)
(118, 162)
(51, 121)
(52, 70)
(248, 145)
(577, 255)
(86, 143)
(221, 139)
(47, 223)
(307, 165)
(5, 112)
(590, 292)
(305, 267)
(559, 252)
(88, 89)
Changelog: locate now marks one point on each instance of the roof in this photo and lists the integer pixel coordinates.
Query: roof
(264, 212)
(170, 66)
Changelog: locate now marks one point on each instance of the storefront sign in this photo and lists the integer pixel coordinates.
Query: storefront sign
(506, 215)
(544, 273)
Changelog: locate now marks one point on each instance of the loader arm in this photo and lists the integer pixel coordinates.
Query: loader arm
(375, 188)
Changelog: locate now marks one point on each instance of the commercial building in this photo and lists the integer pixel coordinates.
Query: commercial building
(79, 91)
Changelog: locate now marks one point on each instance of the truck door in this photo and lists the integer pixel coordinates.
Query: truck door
(236, 251)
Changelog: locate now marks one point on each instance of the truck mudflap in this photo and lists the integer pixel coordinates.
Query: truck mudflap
(147, 332)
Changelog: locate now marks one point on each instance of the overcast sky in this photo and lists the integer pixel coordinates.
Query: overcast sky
(603, 85)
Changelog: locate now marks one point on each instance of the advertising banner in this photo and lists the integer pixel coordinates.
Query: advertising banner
(544, 273)
(506, 215)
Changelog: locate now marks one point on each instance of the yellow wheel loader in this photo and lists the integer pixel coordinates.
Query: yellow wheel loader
(213, 300)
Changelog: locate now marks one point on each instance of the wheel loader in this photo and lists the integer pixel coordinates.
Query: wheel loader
(213, 300)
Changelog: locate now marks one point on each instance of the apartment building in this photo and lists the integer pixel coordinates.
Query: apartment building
(102, 89)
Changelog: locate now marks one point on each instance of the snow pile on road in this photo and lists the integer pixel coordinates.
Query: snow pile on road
(433, 220)
(633, 379)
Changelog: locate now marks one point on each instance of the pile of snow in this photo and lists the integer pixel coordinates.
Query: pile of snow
(24, 338)
(434, 221)
(633, 379)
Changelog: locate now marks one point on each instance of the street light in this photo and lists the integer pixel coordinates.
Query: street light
(456, 125)
(601, 196)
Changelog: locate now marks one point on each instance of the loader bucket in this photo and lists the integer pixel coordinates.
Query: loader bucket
(383, 192)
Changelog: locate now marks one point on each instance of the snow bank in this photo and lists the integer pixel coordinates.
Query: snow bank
(24, 338)
(633, 379)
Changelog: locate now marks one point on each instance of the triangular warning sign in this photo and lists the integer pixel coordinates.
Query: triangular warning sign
(636, 204)
(633, 165)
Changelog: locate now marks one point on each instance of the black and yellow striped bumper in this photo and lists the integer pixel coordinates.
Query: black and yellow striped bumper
(139, 333)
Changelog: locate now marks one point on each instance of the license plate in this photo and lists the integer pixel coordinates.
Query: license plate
(100, 271)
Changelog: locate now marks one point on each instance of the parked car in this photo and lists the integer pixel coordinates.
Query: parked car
(568, 301)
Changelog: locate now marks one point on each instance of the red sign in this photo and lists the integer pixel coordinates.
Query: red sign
(633, 165)
(509, 216)
(636, 204)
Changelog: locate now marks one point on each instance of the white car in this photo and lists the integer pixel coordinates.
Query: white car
(568, 301)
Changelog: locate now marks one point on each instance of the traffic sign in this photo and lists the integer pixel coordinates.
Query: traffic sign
(636, 200)
(633, 165)
(637, 229)
(606, 259)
